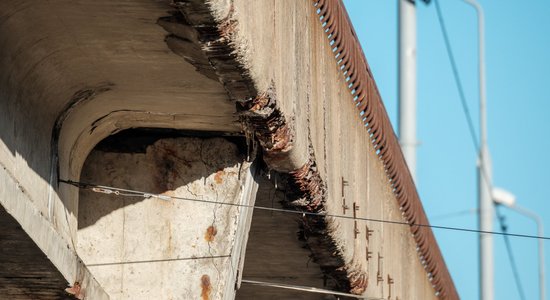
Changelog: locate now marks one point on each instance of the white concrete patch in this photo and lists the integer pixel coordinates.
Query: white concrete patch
(163, 249)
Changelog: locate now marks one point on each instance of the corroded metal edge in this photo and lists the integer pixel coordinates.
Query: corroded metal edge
(207, 43)
(262, 118)
(351, 60)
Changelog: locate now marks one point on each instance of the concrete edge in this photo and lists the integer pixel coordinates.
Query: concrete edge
(19, 205)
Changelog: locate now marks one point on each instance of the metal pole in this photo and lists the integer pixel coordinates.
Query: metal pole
(484, 174)
(407, 82)
(538, 221)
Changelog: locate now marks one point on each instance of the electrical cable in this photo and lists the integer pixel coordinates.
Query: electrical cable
(504, 228)
(305, 289)
(468, 117)
(133, 193)
(450, 54)
(156, 260)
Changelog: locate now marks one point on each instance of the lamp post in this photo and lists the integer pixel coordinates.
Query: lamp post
(508, 199)
(407, 82)
(486, 263)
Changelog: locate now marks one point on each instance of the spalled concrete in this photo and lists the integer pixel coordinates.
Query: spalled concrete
(313, 96)
(75, 72)
(137, 247)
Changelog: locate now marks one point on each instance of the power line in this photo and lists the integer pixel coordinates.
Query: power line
(450, 54)
(156, 260)
(504, 228)
(133, 193)
(468, 117)
(305, 289)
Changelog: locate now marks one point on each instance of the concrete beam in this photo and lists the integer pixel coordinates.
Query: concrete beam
(16, 201)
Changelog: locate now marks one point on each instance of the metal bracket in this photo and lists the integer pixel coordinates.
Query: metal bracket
(369, 253)
(344, 206)
(355, 209)
(368, 233)
(390, 282)
(379, 277)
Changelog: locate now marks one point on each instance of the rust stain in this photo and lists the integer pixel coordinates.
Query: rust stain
(211, 232)
(219, 176)
(309, 181)
(169, 193)
(206, 287)
(351, 60)
(76, 290)
(359, 281)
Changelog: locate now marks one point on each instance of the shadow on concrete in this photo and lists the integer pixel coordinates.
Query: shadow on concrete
(278, 253)
(153, 161)
(25, 271)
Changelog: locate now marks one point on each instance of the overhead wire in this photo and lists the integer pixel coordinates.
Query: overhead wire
(134, 193)
(468, 117)
(456, 76)
(306, 289)
(156, 260)
(511, 257)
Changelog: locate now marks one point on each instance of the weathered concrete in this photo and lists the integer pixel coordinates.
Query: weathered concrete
(75, 72)
(137, 247)
(276, 252)
(312, 93)
(25, 272)
(15, 199)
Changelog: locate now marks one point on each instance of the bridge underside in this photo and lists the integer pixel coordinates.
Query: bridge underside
(25, 271)
(205, 83)
(74, 73)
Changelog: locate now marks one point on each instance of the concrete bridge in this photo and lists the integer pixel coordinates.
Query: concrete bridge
(192, 149)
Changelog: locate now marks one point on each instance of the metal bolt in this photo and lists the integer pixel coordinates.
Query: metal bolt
(344, 206)
(390, 282)
(379, 278)
(369, 254)
(368, 232)
(344, 183)
(355, 209)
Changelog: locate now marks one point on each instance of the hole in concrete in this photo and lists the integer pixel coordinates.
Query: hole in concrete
(137, 140)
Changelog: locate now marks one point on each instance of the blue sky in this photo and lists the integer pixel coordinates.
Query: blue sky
(518, 68)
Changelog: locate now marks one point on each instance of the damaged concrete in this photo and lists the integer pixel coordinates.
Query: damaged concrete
(135, 247)
(205, 42)
(98, 68)
(263, 121)
(277, 250)
(313, 99)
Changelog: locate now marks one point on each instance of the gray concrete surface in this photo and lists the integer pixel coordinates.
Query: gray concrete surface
(25, 272)
(275, 253)
(311, 91)
(160, 249)
(111, 59)
(75, 72)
